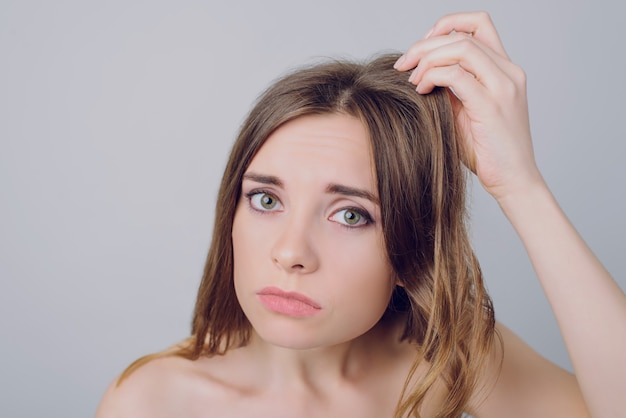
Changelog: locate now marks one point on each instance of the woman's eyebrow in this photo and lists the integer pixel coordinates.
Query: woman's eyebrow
(352, 191)
(332, 188)
(264, 179)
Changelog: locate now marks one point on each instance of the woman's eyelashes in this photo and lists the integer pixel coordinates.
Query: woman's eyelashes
(350, 217)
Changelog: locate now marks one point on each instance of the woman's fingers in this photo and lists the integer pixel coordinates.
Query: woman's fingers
(464, 60)
(489, 69)
(476, 27)
(463, 84)
(412, 56)
(478, 24)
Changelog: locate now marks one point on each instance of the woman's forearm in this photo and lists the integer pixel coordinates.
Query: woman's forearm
(588, 304)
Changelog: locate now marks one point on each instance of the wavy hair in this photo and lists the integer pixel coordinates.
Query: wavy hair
(421, 186)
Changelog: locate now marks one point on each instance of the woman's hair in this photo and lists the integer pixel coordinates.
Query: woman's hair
(421, 186)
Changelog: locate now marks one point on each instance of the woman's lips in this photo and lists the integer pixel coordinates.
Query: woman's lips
(288, 303)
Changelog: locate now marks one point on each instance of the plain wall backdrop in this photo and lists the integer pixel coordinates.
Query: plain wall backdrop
(116, 119)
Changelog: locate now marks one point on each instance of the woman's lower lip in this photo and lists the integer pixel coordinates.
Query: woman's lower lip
(287, 306)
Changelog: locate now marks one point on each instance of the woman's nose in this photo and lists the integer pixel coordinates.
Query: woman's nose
(294, 249)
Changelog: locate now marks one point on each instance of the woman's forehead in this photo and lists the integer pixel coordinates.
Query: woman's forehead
(330, 145)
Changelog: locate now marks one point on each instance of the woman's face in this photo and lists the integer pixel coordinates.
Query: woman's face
(310, 268)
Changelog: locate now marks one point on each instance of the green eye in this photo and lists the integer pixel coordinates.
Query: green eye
(351, 217)
(263, 201)
(267, 201)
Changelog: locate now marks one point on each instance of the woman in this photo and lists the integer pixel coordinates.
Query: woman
(340, 281)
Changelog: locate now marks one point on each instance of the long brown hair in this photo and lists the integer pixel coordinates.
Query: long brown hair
(421, 187)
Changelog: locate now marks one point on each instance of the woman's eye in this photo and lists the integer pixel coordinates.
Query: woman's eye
(264, 201)
(350, 217)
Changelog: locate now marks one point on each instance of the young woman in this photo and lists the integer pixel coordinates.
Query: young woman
(340, 280)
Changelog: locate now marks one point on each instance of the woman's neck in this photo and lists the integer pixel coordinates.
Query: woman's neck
(320, 368)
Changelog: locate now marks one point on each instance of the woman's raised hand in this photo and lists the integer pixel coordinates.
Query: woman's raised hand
(463, 52)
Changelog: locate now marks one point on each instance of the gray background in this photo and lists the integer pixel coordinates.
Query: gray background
(115, 121)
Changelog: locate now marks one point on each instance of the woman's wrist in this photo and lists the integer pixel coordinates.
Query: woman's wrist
(523, 196)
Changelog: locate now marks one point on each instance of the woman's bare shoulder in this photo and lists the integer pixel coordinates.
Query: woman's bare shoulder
(519, 382)
(169, 386)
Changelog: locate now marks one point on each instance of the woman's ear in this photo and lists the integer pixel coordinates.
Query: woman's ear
(398, 282)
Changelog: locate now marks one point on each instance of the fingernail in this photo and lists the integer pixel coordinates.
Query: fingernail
(413, 74)
(430, 32)
(399, 62)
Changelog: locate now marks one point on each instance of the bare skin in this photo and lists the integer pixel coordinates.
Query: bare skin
(367, 385)
(240, 384)
(235, 386)
(363, 375)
